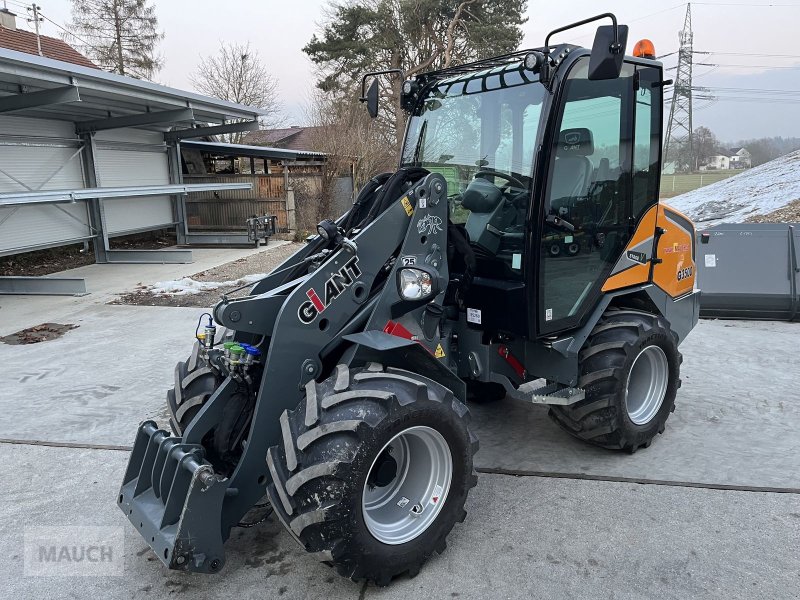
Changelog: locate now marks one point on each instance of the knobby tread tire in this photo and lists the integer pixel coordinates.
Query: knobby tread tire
(194, 384)
(605, 362)
(329, 443)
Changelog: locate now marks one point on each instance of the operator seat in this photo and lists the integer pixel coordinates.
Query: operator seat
(572, 173)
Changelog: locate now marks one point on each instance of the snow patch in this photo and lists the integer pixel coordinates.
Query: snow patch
(757, 191)
(187, 285)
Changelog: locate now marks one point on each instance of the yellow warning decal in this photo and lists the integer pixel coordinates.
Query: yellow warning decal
(407, 205)
(439, 352)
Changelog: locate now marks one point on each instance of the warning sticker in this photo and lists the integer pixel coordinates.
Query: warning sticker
(474, 316)
(711, 260)
(437, 494)
(439, 352)
(548, 314)
(403, 501)
(407, 205)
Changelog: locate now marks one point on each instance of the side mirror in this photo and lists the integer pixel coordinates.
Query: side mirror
(372, 99)
(371, 95)
(608, 52)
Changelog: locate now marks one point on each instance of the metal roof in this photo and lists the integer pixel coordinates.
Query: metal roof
(97, 94)
(254, 151)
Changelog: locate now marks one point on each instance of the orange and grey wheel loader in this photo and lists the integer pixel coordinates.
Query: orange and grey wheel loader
(336, 391)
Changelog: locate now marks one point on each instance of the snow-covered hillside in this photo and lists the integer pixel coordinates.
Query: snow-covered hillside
(758, 191)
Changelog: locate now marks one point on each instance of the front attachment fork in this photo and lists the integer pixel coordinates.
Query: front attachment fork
(173, 498)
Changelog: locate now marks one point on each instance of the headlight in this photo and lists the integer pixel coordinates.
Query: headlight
(415, 284)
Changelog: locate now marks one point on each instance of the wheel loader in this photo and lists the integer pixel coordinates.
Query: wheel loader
(336, 391)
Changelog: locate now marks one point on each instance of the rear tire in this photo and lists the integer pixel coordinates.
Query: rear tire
(630, 369)
(356, 444)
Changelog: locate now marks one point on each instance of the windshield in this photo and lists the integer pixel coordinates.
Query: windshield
(487, 121)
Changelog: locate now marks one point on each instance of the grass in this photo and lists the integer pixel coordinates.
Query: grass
(675, 185)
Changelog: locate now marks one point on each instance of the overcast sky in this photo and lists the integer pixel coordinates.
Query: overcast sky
(279, 29)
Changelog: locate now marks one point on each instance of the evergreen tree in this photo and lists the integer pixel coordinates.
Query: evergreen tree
(118, 35)
(412, 35)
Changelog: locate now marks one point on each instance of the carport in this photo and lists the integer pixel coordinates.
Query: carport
(90, 155)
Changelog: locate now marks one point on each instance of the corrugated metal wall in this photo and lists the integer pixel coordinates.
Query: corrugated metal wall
(39, 154)
(133, 157)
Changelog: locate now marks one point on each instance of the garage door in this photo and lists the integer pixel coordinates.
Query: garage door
(40, 154)
(133, 157)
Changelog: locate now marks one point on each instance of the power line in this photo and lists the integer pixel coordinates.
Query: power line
(69, 33)
(750, 54)
(748, 4)
(728, 66)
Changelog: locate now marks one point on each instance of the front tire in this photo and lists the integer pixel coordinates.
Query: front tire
(374, 470)
(195, 381)
(630, 370)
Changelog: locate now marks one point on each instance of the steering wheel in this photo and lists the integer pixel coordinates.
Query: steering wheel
(513, 181)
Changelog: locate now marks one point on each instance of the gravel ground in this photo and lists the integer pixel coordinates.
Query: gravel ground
(788, 214)
(262, 262)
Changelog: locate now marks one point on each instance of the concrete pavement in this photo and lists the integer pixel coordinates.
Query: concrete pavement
(104, 283)
(736, 423)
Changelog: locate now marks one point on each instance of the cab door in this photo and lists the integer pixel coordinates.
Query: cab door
(586, 209)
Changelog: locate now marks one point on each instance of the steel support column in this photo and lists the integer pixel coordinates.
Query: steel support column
(96, 217)
(176, 177)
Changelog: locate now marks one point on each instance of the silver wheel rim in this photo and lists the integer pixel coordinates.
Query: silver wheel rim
(647, 385)
(555, 250)
(403, 508)
(573, 248)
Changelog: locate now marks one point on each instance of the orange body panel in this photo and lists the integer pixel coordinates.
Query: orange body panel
(676, 272)
(637, 273)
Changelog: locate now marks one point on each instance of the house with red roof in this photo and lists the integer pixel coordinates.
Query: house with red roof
(41, 45)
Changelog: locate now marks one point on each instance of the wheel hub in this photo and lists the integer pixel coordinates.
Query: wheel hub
(384, 471)
(647, 385)
(407, 485)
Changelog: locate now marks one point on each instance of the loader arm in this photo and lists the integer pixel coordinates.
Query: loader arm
(299, 321)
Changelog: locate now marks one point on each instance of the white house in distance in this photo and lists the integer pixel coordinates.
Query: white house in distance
(740, 159)
(734, 158)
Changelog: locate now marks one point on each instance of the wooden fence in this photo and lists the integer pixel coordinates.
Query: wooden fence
(227, 210)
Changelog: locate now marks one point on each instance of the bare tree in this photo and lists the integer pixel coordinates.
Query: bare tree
(118, 35)
(237, 74)
(354, 145)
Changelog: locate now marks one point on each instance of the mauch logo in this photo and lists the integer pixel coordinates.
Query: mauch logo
(639, 257)
(74, 551)
(337, 283)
